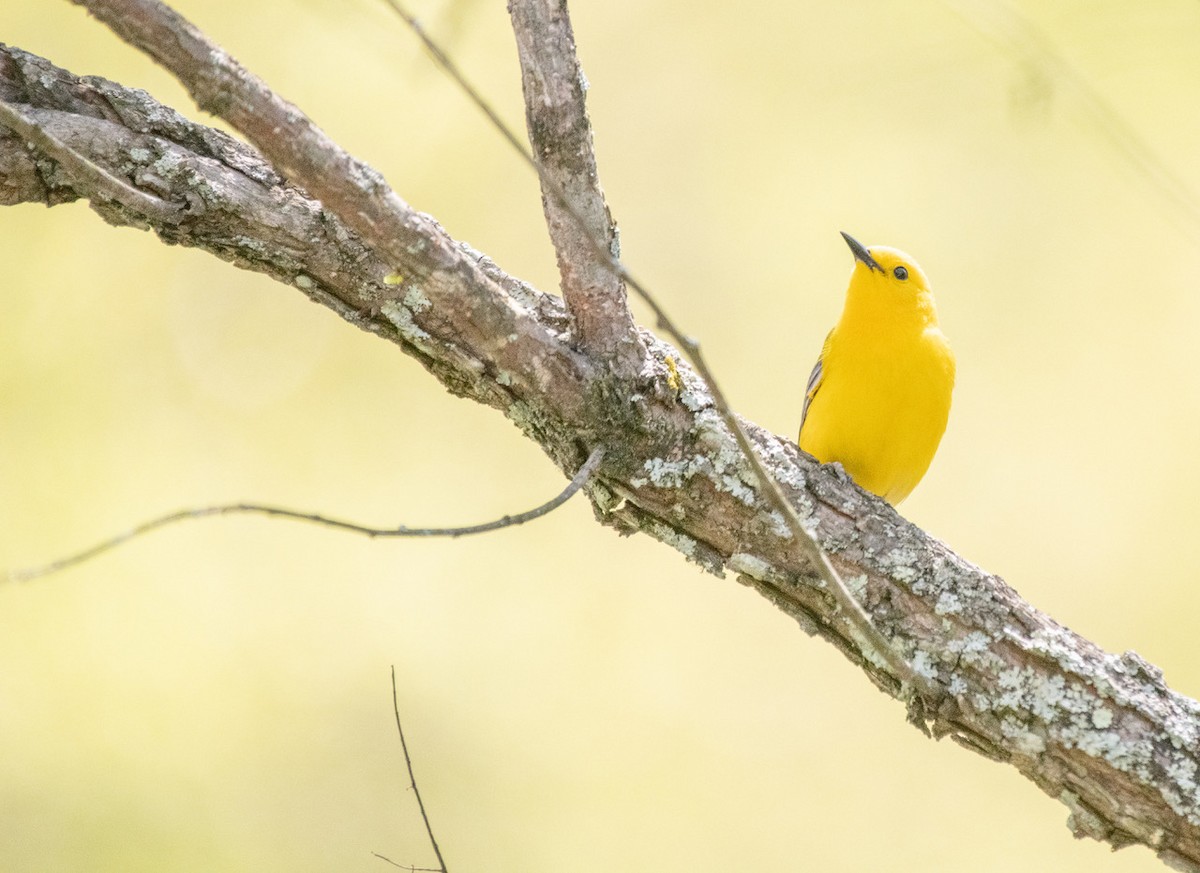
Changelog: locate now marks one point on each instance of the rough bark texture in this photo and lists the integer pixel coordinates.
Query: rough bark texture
(1101, 732)
(561, 136)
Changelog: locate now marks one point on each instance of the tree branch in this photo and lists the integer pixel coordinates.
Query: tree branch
(919, 692)
(561, 135)
(39, 136)
(439, 276)
(1101, 732)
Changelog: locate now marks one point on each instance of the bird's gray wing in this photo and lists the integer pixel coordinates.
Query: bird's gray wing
(814, 381)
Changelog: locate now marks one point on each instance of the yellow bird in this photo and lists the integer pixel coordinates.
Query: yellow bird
(879, 397)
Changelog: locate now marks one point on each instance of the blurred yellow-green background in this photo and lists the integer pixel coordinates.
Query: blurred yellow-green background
(215, 696)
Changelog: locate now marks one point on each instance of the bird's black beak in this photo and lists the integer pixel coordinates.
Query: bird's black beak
(860, 252)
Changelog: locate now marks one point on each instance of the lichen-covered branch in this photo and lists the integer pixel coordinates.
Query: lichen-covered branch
(438, 275)
(1103, 733)
(560, 131)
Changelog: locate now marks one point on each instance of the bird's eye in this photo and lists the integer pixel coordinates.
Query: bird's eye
(900, 273)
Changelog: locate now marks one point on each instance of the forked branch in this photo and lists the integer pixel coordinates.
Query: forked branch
(1101, 732)
(577, 217)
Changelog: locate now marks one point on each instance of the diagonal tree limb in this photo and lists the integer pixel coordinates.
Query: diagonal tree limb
(437, 274)
(560, 131)
(920, 693)
(1102, 733)
(307, 155)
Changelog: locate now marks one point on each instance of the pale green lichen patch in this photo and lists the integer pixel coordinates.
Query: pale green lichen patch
(682, 543)
(1073, 715)
(786, 473)
(975, 650)
(777, 524)
(1057, 644)
(730, 471)
(167, 163)
(937, 576)
(923, 664)
(735, 486)
(1107, 744)
(304, 282)
(1181, 768)
(504, 378)
(900, 564)
(947, 604)
(1102, 717)
(401, 318)
(751, 565)
(671, 474)
(415, 300)
(1183, 771)
(721, 461)
(1181, 733)
(1021, 737)
(675, 473)
(693, 400)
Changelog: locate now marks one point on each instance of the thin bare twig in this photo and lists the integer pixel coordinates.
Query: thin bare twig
(580, 479)
(870, 638)
(409, 867)
(412, 778)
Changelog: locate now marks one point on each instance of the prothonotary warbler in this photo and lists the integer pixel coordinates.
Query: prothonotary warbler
(879, 397)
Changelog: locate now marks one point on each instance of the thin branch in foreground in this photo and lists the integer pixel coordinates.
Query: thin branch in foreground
(581, 478)
(409, 867)
(869, 637)
(413, 779)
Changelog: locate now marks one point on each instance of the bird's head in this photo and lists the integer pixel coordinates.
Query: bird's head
(887, 267)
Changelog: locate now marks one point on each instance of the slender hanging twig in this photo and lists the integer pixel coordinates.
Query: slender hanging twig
(575, 484)
(413, 782)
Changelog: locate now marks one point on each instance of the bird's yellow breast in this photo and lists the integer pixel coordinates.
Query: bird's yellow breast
(879, 397)
(882, 408)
